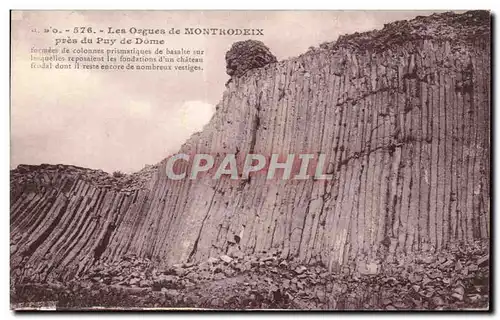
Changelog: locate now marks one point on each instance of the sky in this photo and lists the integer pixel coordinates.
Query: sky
(119, 120)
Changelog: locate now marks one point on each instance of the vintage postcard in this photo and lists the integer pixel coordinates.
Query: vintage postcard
(250, 160)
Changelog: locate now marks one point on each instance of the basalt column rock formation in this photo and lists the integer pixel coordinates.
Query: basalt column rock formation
(403, 115)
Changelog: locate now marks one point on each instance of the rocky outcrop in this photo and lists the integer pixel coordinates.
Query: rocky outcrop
(39, 176)
(247, 55)
(405, 128)
(458, 28)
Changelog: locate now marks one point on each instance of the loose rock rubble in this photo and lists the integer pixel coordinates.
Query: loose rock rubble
(454, 279)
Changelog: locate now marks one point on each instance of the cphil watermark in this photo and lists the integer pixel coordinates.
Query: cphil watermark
(276, 166)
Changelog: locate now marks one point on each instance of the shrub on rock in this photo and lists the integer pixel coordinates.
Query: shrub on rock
(246, 55)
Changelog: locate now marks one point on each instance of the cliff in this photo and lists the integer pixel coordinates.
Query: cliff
(402, 114)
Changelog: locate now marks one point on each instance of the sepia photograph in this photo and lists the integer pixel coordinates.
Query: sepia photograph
(250, 160)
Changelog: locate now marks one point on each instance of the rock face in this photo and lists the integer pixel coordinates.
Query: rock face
(405, 128)
(246, 55)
